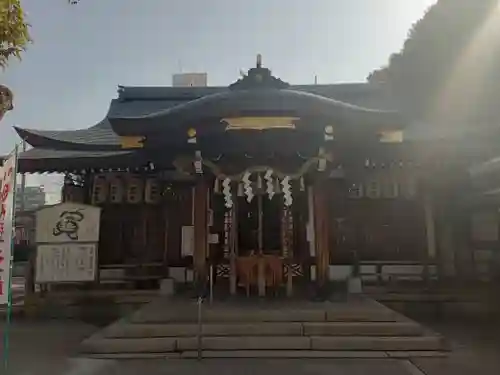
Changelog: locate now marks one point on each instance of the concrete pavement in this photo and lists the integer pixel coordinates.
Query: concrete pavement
(40, 348)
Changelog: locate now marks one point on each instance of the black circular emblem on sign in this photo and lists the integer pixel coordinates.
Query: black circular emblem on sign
(68, 224)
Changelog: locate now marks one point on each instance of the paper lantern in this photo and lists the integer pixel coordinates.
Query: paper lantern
(135, 190)
(116, 190)
(153, 191)
(99, 190)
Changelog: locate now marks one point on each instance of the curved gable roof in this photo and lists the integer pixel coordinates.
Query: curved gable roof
(144, 101)
(98, 137)
(257, 102)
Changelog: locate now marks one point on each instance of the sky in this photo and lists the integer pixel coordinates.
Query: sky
(80, 54)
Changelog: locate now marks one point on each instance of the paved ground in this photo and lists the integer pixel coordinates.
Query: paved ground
(476, 349)
(47, 348)
(42, 348)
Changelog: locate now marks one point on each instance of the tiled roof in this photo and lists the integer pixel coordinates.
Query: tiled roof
(362, 94)
(44, 153)
(140, 101)
(101, 136)
(98, 137)
(260, 102)
(41, 160)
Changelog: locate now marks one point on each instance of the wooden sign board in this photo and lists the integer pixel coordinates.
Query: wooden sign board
(68, 222)
(70, 262)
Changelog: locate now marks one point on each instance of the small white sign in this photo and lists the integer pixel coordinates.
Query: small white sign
(68, 222)
(71, 262)
(213, 238)
(187, 240)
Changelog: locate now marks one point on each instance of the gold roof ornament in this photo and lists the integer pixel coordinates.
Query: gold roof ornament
(127, 142)
(258, 78)
(260, 123)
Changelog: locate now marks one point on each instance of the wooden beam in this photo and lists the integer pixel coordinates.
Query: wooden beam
(200, 220)
(321, 228)
(430, 226)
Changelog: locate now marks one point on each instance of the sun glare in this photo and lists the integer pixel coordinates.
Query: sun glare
(470, 71)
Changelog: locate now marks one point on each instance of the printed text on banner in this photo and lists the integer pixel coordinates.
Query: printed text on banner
(7, 181)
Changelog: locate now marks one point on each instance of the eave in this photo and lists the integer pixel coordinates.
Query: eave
(39, 160)
(99, 137)
(262, 102)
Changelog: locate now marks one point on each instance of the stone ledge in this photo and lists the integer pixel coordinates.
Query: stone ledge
(213, 329)
(119, 356)
(362, 329)
(375, 315)
(246, 343)
(418, 354)
(377, 343)
(277, 354)
(283, 354)
(97, 345)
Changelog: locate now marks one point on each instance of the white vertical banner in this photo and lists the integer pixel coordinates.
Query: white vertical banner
(7, 192)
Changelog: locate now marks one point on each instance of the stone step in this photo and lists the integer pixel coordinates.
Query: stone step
(101, 345)
(213, 329)
(274, 354)
(124, 330)
(425, 343)
(255, 315)
(403, 328)
(311, 354)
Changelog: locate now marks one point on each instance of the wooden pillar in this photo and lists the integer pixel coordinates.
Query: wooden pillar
(200, 221)
(445, 249)
(430, 231)
(464, 258)
(321, 228)
(430, 227)
(166, 237)
(233, 243)
(287, 246)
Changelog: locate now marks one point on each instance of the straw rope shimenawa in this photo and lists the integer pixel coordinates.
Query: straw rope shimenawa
(181, 164)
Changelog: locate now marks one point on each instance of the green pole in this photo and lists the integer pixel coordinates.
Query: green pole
(6, 334)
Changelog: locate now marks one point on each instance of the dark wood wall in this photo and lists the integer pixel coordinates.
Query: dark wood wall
(132, 234)
(377, 229)
(140, 233)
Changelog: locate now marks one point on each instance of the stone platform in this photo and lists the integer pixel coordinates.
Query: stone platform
(359, 328)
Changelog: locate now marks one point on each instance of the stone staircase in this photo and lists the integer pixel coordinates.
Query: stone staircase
(356, 329)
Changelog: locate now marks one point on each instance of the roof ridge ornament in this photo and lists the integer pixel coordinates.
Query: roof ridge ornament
(259, 61)
(258, 78)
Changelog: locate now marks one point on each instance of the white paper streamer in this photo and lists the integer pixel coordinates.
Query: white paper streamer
(247, 186)
(287, 192)
(226, 190)
(268, 176)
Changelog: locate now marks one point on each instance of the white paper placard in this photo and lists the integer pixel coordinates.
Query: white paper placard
(68, 222)
(213, 238)
(70, 262)
(187, 240)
